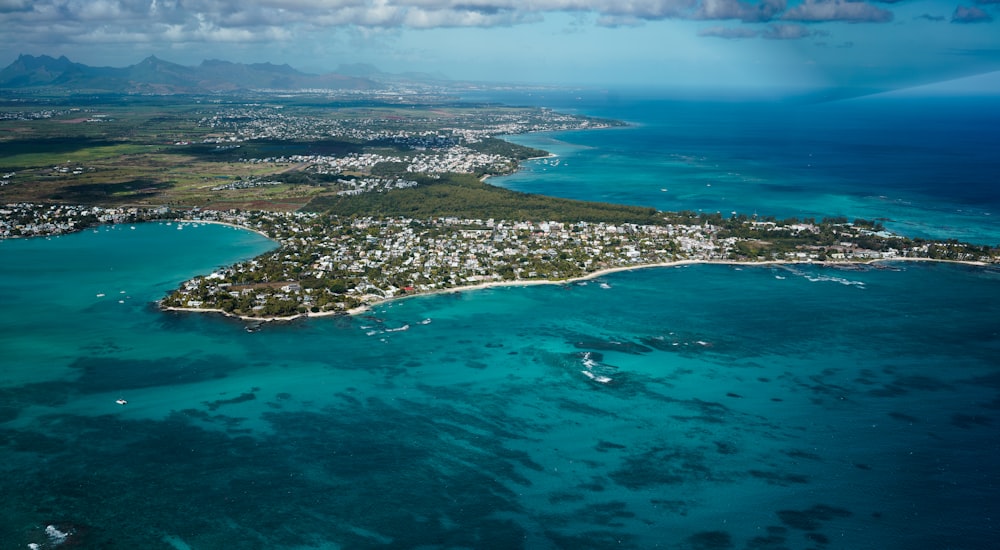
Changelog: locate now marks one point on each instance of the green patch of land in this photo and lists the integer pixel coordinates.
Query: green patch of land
(275, 152)
(464, 196)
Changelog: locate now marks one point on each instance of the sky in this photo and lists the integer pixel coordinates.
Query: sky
(684, 44)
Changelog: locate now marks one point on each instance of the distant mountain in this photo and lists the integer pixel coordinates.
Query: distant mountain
(156, 76)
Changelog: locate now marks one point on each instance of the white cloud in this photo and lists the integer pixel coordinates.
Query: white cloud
(254, 20)
(765, 10)
(837, 10)
(789, 32)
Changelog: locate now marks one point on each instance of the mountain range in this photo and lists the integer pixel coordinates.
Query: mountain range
(156, 76)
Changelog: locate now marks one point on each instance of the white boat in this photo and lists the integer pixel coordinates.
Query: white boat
(121, 401)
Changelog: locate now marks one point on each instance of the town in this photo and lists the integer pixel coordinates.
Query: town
(325, 264)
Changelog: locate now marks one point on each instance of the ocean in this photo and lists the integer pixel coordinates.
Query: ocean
(926, 168)
(698, 407)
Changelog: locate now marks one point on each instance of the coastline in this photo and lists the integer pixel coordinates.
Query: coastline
(485, 177)
(233, 225)
(525, 283)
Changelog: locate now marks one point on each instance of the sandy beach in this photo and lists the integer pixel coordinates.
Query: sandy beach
(521, 283)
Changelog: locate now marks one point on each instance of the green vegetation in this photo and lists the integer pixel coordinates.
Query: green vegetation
(494, 146)
(180, 151)
(464, 196)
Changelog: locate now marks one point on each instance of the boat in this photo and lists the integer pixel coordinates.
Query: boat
(121, 401)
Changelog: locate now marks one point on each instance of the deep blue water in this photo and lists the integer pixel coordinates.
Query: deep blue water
(926, 167)
(744, 407)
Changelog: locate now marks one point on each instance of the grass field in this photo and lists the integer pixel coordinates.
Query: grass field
(177, 151)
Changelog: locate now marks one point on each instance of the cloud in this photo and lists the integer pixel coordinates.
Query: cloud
(930, 17)
(14, 5)
(970, 15)
(781, 31)
(729, 33)
(765, 10)
(814, 11)
(789, 32)
(187, 22)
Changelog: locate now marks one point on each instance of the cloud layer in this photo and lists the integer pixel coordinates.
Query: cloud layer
(180, 22)
(226, 20)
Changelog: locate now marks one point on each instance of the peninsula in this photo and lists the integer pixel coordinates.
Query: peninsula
(369, 200)
(326, 264)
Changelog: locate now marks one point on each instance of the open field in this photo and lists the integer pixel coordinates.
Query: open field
(233, 153)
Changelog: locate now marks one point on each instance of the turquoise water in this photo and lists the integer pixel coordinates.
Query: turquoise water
(743, 407)
(926, 168)
(695, 407)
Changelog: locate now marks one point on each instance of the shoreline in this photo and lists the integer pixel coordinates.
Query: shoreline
(525, 283)
(233, 225)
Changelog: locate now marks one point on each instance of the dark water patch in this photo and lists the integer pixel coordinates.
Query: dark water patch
(661, 343)
(595, 486)
(966, 421)
(478, 365)
(488, 414)
(412, 364)
(607, 514)
(862, 466)
(922, 383)
(605, 446)
(812, 519)
(709, 411)
(888, 391)
(494, 345)
(818, 538)
(106, 346)
(679, 507)
(709, 540)
(32, 442)
(734, 395)
(798, 453)
(559, 497)
(710, 408)
(348, 399)
(623, 346)
(663, 466)
(699, 419)
(586, 540)
(779, 478)
(229, 422)
(991, 380)
(821, 387)
(902, 417)
(45, 394)
(242, 398)
(100, 375)
(725, 448)
(8, 413)
(902, 385)
(770, 542)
